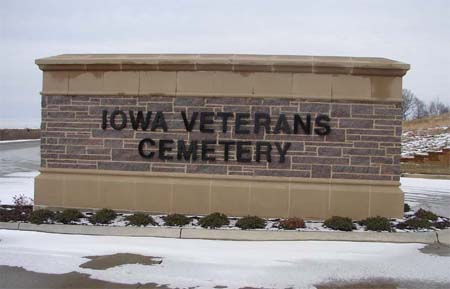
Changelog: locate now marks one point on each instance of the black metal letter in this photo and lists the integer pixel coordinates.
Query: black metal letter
(266, 122)
(159, 121)
(322, 121)
(205, 119)
(163, 149)
(241, 119)
(241, 151)
(206, 150)
(282, 150)
(187, 154)
(266, 152)
(282, 125)
(226, 149)
(189, 125)
(104, 115)
(142, 143)
(305, 127)
(225, 116)
(139, 120)
(113, 120)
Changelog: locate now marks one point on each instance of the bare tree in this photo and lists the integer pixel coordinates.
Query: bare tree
(437, 107)
(420, 109)
(408, 103)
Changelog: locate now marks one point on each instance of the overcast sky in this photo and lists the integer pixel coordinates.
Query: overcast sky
(415, 32)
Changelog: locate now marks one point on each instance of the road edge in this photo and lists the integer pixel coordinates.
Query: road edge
(442, 236)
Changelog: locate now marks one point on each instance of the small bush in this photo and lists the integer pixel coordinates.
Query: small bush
(339, 223)
(68, 216)
(292, 223)
(140, 219)
(176, 220)
(104, 216)
(251, 222)
(214, 220)
(377, 224)
(22, 201)
(15, 214)
(406, 208)
(41, 216)
(414, 224)
(427, 215)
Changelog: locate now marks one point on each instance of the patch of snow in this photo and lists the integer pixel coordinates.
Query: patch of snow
(235, 264)
(429, 194)
(14, 184)
(423, 141)
(18, 140)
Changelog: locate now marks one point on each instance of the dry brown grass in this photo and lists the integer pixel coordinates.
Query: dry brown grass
(14, 134)
(428, 122)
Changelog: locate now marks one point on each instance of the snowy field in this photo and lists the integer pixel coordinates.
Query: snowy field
(231, 263)
(423, 141)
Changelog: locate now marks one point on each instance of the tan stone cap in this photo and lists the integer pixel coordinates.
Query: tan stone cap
(225, 62)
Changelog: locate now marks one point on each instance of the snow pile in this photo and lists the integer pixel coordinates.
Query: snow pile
(424, 141)
(236, 264)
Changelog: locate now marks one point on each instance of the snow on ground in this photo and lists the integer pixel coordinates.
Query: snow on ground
(16, 184)
(429, 194)
(206, 264)
(18, 140)
(424, 141)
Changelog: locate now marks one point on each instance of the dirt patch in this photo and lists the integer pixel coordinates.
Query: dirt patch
(366, 284)
(16, 277)
(380, 283)
(109, 261)
(436, 249)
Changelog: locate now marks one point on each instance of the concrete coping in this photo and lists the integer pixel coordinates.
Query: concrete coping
(236, 235)
(225, 62)
(361, 182)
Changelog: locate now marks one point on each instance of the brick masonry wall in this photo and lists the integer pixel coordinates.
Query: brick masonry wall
(364, 142)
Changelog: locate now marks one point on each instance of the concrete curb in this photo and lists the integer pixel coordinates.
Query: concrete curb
(257, 235)
(444, 236)
(236, 235)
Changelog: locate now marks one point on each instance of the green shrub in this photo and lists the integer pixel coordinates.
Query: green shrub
(406, 208)
(140, 219)
(377, 224)
(104, 216)
(414, 224)
(68, 216)
(41, 216)
(214, 220)
(339, 223)
(292, 223)
(251, 222)
(427, 215)
(176, 220)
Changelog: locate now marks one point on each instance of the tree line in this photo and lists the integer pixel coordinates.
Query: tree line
(415, 108)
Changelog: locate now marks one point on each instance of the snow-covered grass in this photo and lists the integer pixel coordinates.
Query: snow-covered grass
(424, 141)
(234, 264)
